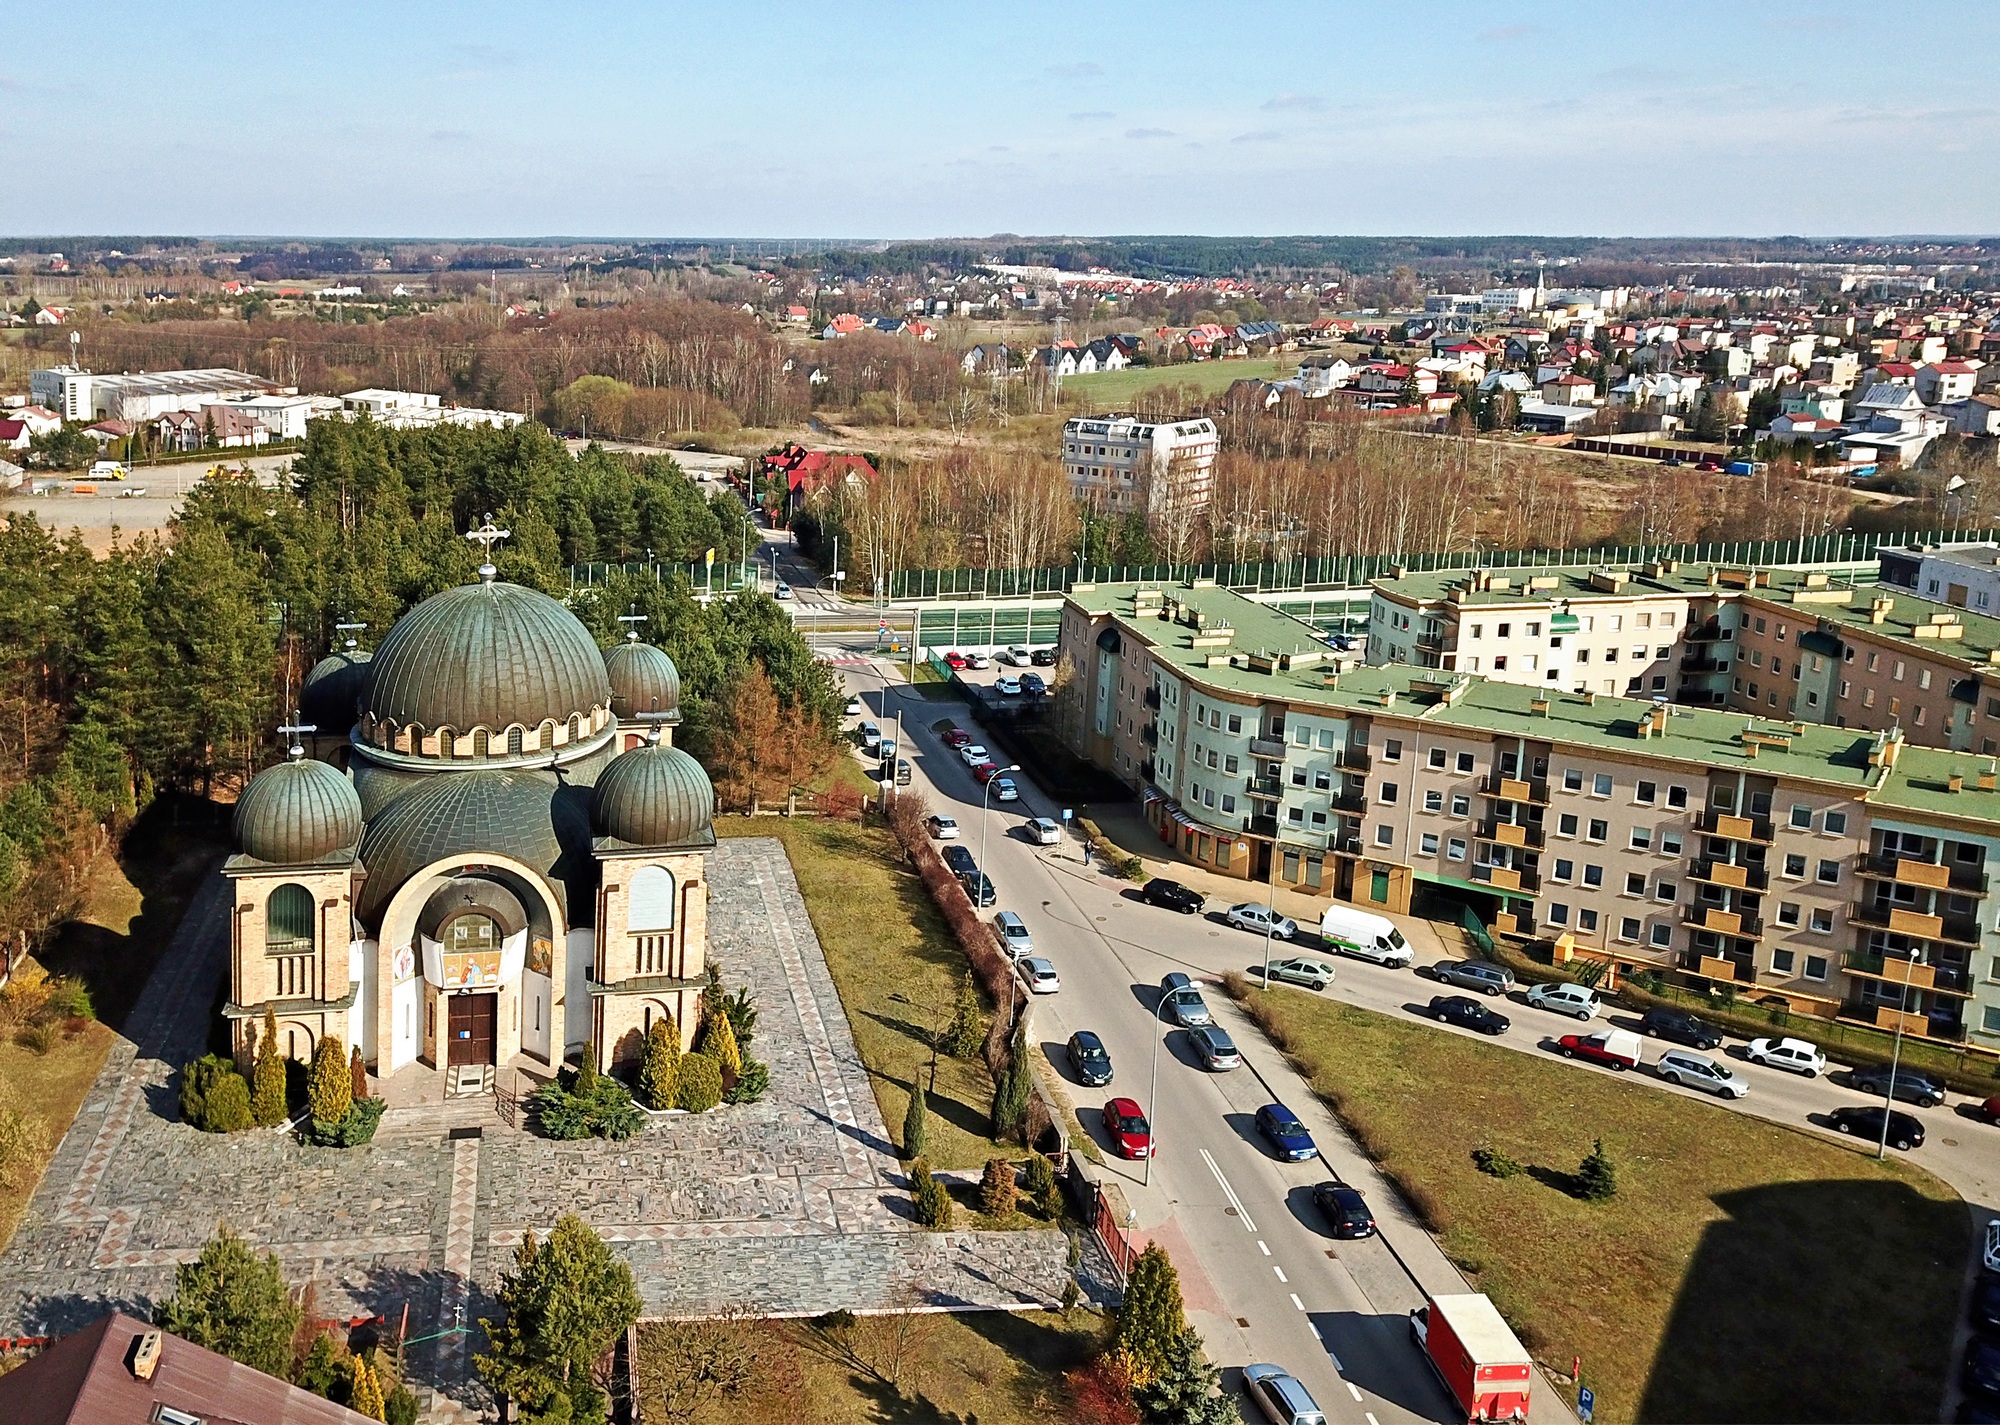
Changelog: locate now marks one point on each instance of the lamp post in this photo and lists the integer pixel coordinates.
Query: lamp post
(986, 822)
(1270, 908)
(1153, 1096)
(1895, 1057)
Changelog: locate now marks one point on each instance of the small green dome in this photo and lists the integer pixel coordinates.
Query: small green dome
(654, 796)
(297, 812)
(645, 685)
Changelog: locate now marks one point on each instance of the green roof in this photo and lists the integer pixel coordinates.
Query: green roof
(1922, 783)
(1904, 615)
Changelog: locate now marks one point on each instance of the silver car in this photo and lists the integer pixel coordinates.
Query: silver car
(1475, 975)
(1214, 1048)
(1184, 1002)
(1698, 1071)
(1254, 917)
(1281, 1396)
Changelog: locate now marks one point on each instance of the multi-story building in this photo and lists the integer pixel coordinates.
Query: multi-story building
(1844, 873)
(138, 397)
(1129, 465)
(1966, 576)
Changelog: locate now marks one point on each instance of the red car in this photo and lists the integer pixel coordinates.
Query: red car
(1127, 1128)
(1990, 1110)
(954, 660)
(1614, 1048)
(1709, 466)
(985, 772)
(958, 737)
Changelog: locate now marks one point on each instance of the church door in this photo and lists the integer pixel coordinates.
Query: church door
(473, 1017)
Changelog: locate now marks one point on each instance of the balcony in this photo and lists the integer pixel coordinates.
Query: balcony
(1146, 769)
(1263, 826)
(1928, 874)
(1431, 641)
(1348, 845)
(1883, 1016)
(1723, 873)
(1150, 734)
(1508, 878)
(1709, 632)
(1268, 789)
(1898, 921)
(1734, 828)
(1509, 833)
(1721, 967)
(1503, 788)
(1152, 699)
(1271, 749)
(1352, 802)
(1724, 922)
(1900, 971)
(1354, 759)
(1703, 662)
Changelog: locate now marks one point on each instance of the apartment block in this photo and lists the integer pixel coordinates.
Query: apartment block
(1840, 871)
(1127, 465)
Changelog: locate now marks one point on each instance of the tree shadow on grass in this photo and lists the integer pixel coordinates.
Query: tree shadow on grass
(1825, 1300)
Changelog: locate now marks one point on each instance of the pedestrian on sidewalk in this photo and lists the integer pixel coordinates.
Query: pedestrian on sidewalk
(1086, 853)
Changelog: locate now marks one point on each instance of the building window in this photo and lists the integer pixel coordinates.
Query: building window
(1558, 914)
(1564, 869)
(1795, 865)
(1385, 835)
(1782, 961)
(1465, 761)
(1389, 793)
(1600, 785)
(1437, 759)
(1822, 922)
(1801, 817)
(1665, 891)
(1628, 927)
(1835, 823)
(1433, 801)
(1788, 913)
(1642, 839)
(1644, 793)
(288, 921)
(1829, 873)
(1586, 920)
(1815, 967)
(1461, 806)
(1228, 803)
(1322, 781)
(1593, 876)
(1572, 779)
(1427, 844)
(1635, 884)
(1229, 765)
(1662, 936)
(1566, 824)
(1677, 798)
(1392, 750)
(1670, 843)
(1454, 849)
(1235, 723)
(1598, 830)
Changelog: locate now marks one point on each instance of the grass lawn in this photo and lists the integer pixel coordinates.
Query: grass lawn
(996, 1367)
(1744, 1271)
(1109, 390)
(897, 969)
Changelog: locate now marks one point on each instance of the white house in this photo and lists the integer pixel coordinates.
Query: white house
(1891, 423)
(1322, 374)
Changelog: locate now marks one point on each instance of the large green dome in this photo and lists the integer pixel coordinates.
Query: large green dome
(297, 812)
(655, 796)
(488, 655)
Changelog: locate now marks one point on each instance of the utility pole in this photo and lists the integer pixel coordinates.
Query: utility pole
(1895, 1057)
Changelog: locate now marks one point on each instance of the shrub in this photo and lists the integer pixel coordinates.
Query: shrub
(998, 1194)
(363, 1117)
(585, 1104)
(1596, 1179)
(364, 1392)
(718, 1041)
(329, 1091)
(1010, 1094)
(753, 1085)
(1132, 868)
(916, 1120)
(1044, 1195)
(741, 1008)
(1495, 1163)
(661, 1065)
(930, 1197)
(1100, 1393)
(214, 1097)
(35, 1038)
(698, 1087)
(68, 999)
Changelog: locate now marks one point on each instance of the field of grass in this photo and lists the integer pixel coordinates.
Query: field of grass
(1744, 1271)
(1109, 390)
(897, 970)
(993, 1367)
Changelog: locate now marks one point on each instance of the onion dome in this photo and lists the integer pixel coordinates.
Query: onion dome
(645, 685)
(654, 796)
(297, 812)
(333, 692)
(489, 655)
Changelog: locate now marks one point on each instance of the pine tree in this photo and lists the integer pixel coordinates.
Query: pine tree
(916, 1121)
(1010, 1095)
(1186, 1388)
(718, 1041)
(1152, 1316)
(267, 1096)
(566, 1301)
(1596, 1179)
(967, 1030)
(930, 1197)
(657, 1071)
(998, 1194)
(234, 1302)
(1044, 1194)
(323, 1368)
(329, 1092)
(364, 1392)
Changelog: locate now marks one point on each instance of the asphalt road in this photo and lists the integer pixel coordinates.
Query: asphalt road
(1263, 1277)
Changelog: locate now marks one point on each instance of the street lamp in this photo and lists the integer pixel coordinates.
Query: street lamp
(1270, 909)
(1895, 1057)
(985, 822)
(1153, 1096)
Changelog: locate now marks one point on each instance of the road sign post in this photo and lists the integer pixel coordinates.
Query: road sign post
(1586, 1403)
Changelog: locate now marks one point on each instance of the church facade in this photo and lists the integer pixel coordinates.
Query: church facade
(484, 844)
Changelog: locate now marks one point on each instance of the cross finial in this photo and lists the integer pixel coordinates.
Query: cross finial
(635, 618)
(486, 536)
(293, 730)
(350, 629)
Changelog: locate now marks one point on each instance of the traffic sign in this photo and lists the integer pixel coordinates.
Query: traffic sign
(1586, 1402)
(1066, 813)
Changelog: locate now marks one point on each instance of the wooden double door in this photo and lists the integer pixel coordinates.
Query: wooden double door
(472, 1022)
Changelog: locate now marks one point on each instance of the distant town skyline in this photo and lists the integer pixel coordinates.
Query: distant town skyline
(786, 120)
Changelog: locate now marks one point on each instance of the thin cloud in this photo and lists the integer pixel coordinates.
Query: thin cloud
(1089, 115)
(1258, 136)
(1083, 69)
(1289, 100)
(1504, 33)
(1149, 133)
(450, 136)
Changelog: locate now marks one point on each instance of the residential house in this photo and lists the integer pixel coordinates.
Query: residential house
(1979, 415)
(1947, 381)
(798, 315)
(1891, 423)
(809, 472)
(1814, 430)
(14, 435)
(51, 316)
(1318, 375)
(989, 359)
(1570, 390)
(1131, 465)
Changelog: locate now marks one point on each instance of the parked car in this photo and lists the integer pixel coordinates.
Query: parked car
(958, 860)
(1365, 936)
(979, 888)
(1280, 1396)
(956, 737)
(1614, 1048)
(1467, 1013)
(1089, 1060)
(1577, 1001)
(1041, 976)
(1043, 658)
(1302, 970)
(1346, 1210)
(1042, 831)
(1474, 975)
(902, 771)
(1981, 1375)
(941, 827)
(978, 661)
(1794, 1055)
(1179, 998)
(1033, 684)
(1990, 1111)
(1698, 1071)
(1004, 790)
(871, 737)
(1911, 1085)
(1984, 1309)
(1286, 1135)
(1992, 1248)
(1251, 916)
(1014, 935)
(1864, 1120)
(973, 753)
(954, 660)
(1016, 657)
(1214, 1048)
(853, 708)
(1127, 1129)
(984, 772)
(1007, 687)
(1172, 894)
(1660, 1022)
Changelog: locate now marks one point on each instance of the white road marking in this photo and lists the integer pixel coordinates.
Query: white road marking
(1330, 1355)
(1264, 1249)
(1355, 1391)
(1230, 1192)
(1296, 1302)
(1369, 1416)
(1280, 1271)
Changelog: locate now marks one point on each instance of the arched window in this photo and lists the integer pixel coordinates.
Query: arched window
(416, 740)
(575, 727)
(652, 902)
(546, 737)
(514, 735)
(288, 921)
(481, 742)
(446, 739)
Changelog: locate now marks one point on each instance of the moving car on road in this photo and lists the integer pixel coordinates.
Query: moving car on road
(1910, 1085)
(941, 827)
(1864, 1120)
(1041, 976)
(1214, 1048)
(1181, 1000)
(1698, 1071)
(1479, 1359)
(1042, 831)
(1346, 1210)
(1474, 975)
(1089, 1060)
(1280, 1396)
(1127, 1129)
(1301, 970)
(1172, 894)
(1254, 917)
(1577, 1001)
(783, 591)
(1364, 936)
(1614, 1048)
(1793, 1055)
(1286, 1135)
(1467, 1013)
(853, 708)
(1660, 1022)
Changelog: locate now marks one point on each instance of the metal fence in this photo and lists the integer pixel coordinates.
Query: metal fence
(726, 575)
(1351, 571)
(1476, 931)
(990, 627)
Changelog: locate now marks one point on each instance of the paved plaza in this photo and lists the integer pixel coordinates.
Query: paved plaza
(792, 1205)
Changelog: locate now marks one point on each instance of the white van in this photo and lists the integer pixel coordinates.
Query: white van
(1348, 931)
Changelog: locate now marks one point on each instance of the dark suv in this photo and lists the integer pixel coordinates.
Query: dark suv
(1864, 1121)
(958, 860)
(1679, 1026)
(1911, 1086)
(1171, 894)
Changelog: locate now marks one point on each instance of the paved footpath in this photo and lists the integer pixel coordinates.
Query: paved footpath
(793, 1205)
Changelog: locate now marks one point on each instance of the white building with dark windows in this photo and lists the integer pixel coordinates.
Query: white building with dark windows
(1129, 465)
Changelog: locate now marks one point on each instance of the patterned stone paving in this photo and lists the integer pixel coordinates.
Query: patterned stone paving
(792, 1205)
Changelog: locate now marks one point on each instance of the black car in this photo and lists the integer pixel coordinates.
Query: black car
(979, 889)
(1468, 1013)
(1985, 1309)
(1911, 1086)
(1865, 1121)
(958, 860)
(1982, 1371)
(1679, 1026)
(1043, 658)
(1171, 894)
(1088, 1059)
(1346, 1210)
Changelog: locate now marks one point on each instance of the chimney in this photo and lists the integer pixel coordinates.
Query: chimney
(1539, 707)
(1955, 783)
(146, 1355)
(1879, 609)
(1989, 777)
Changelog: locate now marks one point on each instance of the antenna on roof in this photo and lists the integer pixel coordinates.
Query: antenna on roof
(292, 730)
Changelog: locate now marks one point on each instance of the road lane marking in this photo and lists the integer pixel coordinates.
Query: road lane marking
(1242, 1215)
(1355, 1391)
(1281, 1272)
(1369, 1416)
(1264, 1249)
(1296, 1302)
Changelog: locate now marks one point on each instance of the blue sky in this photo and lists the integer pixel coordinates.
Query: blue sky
(434, 118)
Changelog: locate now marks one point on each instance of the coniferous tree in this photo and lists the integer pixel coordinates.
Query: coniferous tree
(232, 1301)
(998, 1194)
(661, 1065)
(718, 1041)
(1186, 1388)
(1044, 1194)
(1596, 1179)
(267, 1096)
(916, 1120)
(329, 1091)
(1151, 1317)
(566, 1301)
(364, 1391)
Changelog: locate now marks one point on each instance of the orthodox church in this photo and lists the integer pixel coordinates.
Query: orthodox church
(484, 844)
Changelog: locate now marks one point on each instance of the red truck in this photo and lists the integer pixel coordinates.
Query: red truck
(1476, 1356)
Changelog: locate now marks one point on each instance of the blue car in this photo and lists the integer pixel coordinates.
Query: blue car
(1286, 1135)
